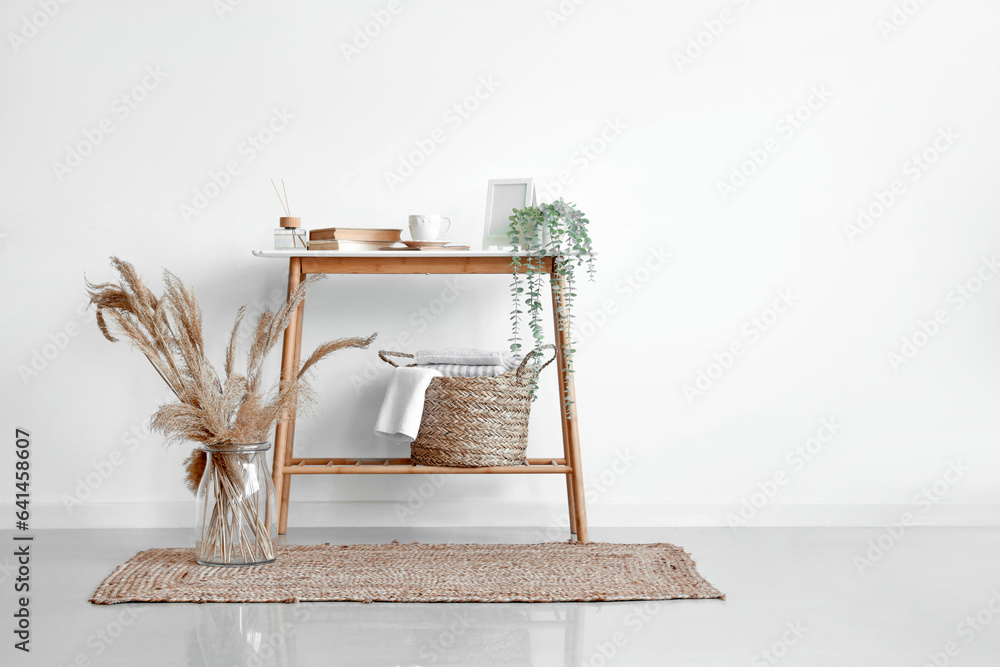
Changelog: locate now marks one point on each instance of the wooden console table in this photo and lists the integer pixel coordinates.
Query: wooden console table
(302, 263)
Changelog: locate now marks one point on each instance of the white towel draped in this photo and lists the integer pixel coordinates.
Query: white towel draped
(403, 406)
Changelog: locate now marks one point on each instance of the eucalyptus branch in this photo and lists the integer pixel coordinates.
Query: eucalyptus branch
(558, 230)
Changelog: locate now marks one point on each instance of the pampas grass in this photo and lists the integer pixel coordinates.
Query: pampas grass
(233, 410)
(211, 410)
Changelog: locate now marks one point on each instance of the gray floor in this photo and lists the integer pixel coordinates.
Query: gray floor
(795, 597)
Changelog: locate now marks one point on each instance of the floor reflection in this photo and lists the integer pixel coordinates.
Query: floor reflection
(243, 635)
(246, 635)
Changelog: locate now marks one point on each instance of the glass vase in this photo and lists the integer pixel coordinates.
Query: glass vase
(235, 513)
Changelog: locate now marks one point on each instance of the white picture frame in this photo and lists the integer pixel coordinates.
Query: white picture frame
(503, 195)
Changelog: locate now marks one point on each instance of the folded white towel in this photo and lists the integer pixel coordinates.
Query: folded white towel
(465, 356)
(403, 405)
(467, 371)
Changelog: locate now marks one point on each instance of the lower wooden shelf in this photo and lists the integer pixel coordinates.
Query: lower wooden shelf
(380, 466)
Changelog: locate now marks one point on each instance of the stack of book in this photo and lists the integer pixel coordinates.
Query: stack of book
(353, 239)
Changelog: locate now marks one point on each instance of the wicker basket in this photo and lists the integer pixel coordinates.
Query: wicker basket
(475, 422)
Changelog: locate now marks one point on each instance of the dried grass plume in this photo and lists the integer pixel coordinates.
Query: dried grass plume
(233, 409)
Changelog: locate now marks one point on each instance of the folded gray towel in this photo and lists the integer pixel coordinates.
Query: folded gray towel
(467, 370)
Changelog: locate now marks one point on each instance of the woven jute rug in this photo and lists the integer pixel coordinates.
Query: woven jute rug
(552, 572)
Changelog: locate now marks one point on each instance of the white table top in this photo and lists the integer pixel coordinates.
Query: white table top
(285, 254)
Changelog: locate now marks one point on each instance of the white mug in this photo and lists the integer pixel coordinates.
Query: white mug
(428, 227)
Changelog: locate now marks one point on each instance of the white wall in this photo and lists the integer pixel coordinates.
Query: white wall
(678, 132)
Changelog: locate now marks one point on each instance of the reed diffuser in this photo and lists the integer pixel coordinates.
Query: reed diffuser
(289, 235)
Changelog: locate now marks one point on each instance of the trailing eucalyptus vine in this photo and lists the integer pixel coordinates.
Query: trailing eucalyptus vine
(557, 230)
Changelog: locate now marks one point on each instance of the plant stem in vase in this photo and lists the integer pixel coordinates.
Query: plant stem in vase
(235, 516)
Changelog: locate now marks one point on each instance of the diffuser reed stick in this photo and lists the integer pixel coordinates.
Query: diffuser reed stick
(288, 221)
(284, 202)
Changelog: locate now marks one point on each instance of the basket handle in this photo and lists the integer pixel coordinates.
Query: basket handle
(535, 352)
(384, 354)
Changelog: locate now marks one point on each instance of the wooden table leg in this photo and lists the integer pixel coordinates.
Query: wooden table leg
(570, 427)
(571, 496)
(284, 434)
(287, 484)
